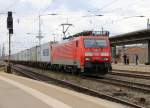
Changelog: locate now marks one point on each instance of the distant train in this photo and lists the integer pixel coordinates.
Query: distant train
(84, 53)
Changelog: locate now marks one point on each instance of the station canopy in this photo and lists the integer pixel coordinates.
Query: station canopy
(140, 36)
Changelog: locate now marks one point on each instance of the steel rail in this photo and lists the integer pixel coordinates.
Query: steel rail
(127, 74)
(130, 71)
(123, 83)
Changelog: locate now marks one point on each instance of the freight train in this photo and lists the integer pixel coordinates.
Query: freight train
(85, 53)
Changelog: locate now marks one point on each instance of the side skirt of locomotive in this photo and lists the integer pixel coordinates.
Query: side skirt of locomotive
(88, 69)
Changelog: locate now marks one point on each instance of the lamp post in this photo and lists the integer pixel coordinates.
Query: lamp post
(39, 37)
(141, 16)
(124, 18)
(40, 31)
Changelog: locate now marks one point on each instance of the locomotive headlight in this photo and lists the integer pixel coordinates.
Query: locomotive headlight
(104, 54)
(88, 54)
(87, 58)
(105, 59)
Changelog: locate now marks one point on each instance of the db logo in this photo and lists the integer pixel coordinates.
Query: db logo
(96, 50)
(96, 54)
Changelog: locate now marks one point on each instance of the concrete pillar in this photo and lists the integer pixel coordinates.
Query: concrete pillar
(124, 48)
(113, 53)
(148, 51)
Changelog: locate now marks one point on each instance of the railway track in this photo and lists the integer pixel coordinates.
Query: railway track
(128, 71)
(78, 88)
(129, 74)
(123, 83)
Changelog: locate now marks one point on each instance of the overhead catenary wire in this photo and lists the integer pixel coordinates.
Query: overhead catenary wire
(46, 9)
(105, 6)
(11, 5)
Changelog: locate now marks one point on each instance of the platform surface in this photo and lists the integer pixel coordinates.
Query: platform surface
(20, 92)
(13, 97)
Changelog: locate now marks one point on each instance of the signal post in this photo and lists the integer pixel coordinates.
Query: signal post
(10, 29)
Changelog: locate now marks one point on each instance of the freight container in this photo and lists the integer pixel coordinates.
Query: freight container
(45, 52)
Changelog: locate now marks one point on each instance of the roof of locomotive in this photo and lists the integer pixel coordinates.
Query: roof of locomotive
(84, 34)
(89, 33)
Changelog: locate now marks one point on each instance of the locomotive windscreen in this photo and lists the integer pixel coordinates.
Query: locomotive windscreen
(94, 43)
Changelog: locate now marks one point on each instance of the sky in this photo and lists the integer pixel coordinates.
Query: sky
(118, 17)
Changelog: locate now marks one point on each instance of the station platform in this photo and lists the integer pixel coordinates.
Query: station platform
(20, 92)
(131, 67)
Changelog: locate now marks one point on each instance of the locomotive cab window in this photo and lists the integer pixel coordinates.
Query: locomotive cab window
(95, 43)
(77, 43)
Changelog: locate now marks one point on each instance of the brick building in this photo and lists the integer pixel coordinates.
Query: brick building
(141, 51)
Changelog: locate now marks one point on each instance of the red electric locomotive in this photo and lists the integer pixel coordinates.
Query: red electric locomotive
(86, 52)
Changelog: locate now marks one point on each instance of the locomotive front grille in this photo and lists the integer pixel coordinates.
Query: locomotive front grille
(96, 67)
(96, 64)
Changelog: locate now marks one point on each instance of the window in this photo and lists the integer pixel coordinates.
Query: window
(94, 43)
(45, 52)
(77, 43)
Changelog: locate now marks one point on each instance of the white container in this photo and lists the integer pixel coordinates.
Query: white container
(45, 52)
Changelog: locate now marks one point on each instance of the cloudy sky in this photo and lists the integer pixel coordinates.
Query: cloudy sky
(119, 16)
